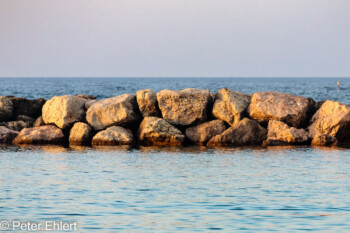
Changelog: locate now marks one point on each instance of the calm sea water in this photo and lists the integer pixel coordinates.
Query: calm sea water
(317, 88)
(190, 189)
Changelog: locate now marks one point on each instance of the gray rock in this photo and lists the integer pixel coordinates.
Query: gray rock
(147, 102)
(64, 111)
(245, 133)
(80, 134)
(202, 133)
(23, 106)
(159, 132)
(120, 110)
(114, 135)
(6, 109)
(7, 135)
(17, 125)
(185, 107)
(47, 134)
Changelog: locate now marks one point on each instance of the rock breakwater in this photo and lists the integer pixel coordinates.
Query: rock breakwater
(175, 118)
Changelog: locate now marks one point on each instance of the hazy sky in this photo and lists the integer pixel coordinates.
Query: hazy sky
(174, 38)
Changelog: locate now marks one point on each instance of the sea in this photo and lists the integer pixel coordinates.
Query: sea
(171, 189)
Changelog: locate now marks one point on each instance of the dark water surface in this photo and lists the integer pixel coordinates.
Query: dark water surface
(193, 189)
(317, 88)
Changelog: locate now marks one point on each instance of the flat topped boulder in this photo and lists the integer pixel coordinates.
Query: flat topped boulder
(64, 111)
(333, 119)
(287, 108)
(202, 133)
(247, 132)
(230, 106)
(7, 135)
(120, 110)
(47, 134)
(80, 134)
(147, 102)
(114, 135)
(6, 108)
(159, 132)
(279, 133)
(185, 107)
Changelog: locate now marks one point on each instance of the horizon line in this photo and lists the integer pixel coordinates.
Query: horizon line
(1, 77)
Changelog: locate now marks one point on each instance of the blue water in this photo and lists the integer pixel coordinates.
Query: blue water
(317, 88)
(189, 189)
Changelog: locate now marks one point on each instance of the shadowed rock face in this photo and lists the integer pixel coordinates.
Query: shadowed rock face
(333, 119)
(114, 135)
(7, 135)
(280, 133)
(324, 140)
(16, 125)
(64, 111)
(147, 102)
(245, 133)
(185, 107)
(287, 108)
(23, 106)
(230, 106)
(202, 133)
(80, 134)
(47, 134)
(6, 108)
(157, 131)
(119, 110)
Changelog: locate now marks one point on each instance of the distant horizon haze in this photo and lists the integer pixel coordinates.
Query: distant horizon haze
(175, 39)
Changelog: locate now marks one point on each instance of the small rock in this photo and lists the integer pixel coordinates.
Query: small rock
(87, 97)
(245, 133)
(47, 134)
(17, 125)
(80, 134)
(23, 106)
(119, 110)
(324, 140)
(287, 108)
(64, 111)
(89, 103)
(185, 107)
(29, 120)
(114, 135)
(159, 132)
(230, 106)
(279, 133)
(202, 133)
(6, 109)
(147, 102)
(39, 122)
(7, 135)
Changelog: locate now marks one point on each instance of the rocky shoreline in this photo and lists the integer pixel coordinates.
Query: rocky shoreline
(175, 118)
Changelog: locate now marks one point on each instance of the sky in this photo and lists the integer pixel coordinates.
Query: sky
(174, 38)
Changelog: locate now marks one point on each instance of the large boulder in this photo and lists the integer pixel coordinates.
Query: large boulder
(247, 132)
(7, 135)
(287, 108)
(202, 133)
(120, 110)
(185, 107)
(159, 132)
(6, 109)
(23, 106)
(230, 106)
(147, 101)
(279, 133)
(47, 134)
(64, 111)
(333, 119)
(114, 135)
(89, 103)
(80, 134)
(17, 125)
